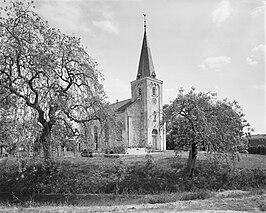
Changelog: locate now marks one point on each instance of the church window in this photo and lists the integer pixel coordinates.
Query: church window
(154, 132)
(139, 91)
(96, 137)
(154, 116)
(106, 133)
(153, 90)
(155, 141)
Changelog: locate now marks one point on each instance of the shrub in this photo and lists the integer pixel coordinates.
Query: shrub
(261, 150)
(35, 177)
(198, 195)
(210, 176)
(119, 150)
(68, 177)
(149, 178)
(162, 198)
(115, 150)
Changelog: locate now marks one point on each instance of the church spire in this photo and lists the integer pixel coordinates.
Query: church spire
(144, 15)
(146, 68)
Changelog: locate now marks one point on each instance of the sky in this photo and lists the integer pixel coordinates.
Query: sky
(212, 45)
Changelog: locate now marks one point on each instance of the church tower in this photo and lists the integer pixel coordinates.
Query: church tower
(147, 91)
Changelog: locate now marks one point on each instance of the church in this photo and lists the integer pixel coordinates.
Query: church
(138, 119)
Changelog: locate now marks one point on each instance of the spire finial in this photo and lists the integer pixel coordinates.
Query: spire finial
(144, 15)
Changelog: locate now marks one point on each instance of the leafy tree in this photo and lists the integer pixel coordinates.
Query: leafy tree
(6, 119)
(200, 120)
(50, 73)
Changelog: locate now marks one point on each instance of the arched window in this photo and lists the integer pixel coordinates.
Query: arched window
(155, 139)
(106, 134)
(154, 116)
(139, 91)
(96, 137)
(154, 132)
(153, 90)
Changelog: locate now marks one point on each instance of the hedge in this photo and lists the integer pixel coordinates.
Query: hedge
(260, 150)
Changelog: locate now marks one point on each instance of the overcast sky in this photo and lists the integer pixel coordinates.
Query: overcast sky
(213, 45)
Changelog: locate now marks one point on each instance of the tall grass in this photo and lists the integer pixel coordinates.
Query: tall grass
(148, 177)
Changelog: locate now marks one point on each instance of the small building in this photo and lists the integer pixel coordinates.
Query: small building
(257, 140)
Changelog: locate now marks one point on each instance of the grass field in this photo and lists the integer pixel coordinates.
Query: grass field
(249, 161)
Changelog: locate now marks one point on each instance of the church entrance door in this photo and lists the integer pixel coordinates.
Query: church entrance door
(155, 139)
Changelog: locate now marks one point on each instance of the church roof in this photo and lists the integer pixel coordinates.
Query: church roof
(146, 68)
(121, 105)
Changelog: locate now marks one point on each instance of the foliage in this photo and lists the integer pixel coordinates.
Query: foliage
(261, 150)
(66, 177)
(173, 197)
(7, 133)
(36, 177)
(116, 150)
(148, 178)
(49, 73)
(17, 125)
(199, 120)
(198, 195)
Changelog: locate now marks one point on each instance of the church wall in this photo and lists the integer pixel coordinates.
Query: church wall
(121, 134)
(145, 114)
(150, 110)
(162, 128)
(116, 133)
(135, 129)
(163, 136)
(89, 133)
(140, 121)
(154, 111)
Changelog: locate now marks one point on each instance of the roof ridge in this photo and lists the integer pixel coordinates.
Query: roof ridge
(120, 101)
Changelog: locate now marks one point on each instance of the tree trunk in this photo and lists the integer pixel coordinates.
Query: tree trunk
(45, 140)
(193, 153)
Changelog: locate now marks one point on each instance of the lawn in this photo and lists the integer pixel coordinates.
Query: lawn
(166, 158)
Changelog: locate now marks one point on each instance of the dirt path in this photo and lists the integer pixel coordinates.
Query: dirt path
(255, 203)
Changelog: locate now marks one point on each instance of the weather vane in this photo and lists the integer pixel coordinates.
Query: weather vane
(144, 21)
